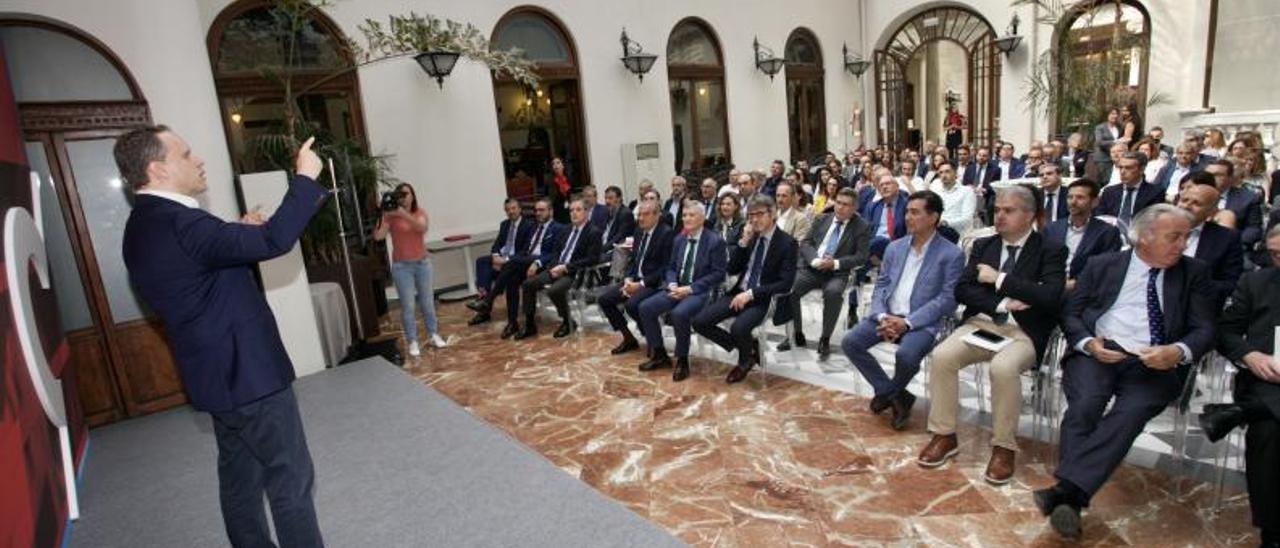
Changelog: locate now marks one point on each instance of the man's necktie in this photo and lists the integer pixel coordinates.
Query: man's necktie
(830, 249)
(568, 248)
(604, 239)
(1012, 259)
(644, 244)
(537, 239)
(888, 219)
(1126, 205)
(1048, 206)
(686, 271)
(757, 263)
(509, 248)
(1155, 317)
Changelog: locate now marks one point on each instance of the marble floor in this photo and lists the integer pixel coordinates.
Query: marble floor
(790, 462)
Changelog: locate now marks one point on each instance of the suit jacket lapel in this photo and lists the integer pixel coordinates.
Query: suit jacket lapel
(1111, 288)
(1091, 233)
(1029, 248)
(1172, 310)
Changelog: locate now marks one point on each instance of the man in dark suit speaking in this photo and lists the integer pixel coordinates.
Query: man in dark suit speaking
(1135, 323)
(196, 272)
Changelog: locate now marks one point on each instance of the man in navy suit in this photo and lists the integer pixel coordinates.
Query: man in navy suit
(513, 235)
(765, 258)
(651, 241)
(599, 213)
(1135, 323)
(696, 268)
(1082, 234)
(1007, 166)
(673, 208)
(576, 251)
(1243, 201)
(979, 170)
(885, 215)
(541, 247)
(615, 224)
(1132, 195)
(914, 292)
(1214, 245)
(1183, 164)
(1055, 195)
(196, 272)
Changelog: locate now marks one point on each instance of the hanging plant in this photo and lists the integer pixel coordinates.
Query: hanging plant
(412, 34)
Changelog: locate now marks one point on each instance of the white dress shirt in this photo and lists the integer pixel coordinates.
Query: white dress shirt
(174, 196)
(640, 256)
(831, 233)
(958, 205)
(1126, 322)
(900, 300)
(1074, 237)
(1004, 169)
(1193, 241)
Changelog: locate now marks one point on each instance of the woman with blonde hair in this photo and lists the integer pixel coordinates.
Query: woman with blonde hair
(1214, 143)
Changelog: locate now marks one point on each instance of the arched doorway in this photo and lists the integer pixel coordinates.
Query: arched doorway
(806, 105)
(939, 57)
(249, 45)
(1103, 48)
(699, 116)
(74, 99)
(544, 122)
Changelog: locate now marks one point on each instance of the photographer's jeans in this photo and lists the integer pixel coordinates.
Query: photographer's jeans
(413, 283)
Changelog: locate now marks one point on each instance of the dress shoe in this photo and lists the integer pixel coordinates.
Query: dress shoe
(880, 403)
(479, 305)
(1000, 468)
(852, 318)
(738, 373)
(528, 331)
(1065, 519)
(800, 340)
(902, 409)
(1047, 499)
(824, 349)
(658, 361)
(479, 318)
(628, 344)
(939, 451)
(784, 346)
(510, 330)
(1219, 419)
(682, 370)
(565, 329)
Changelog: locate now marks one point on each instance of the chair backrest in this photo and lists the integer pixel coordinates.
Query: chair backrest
(973, 236)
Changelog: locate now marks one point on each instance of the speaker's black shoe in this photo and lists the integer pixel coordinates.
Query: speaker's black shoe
(565, 329)
(628, 344)
(737, 374)
(510, 330)
(658, 361)
(682, 370)
(1219, 419)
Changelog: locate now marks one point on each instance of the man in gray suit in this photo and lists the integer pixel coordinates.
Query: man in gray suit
(837, 243)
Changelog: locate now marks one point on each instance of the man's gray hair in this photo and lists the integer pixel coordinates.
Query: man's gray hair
(1145, 220)
(1275, 231)
(762, 201)
(680, 179)
(647, 205)
(1135, 155)
(1021, 193)
(695, 204)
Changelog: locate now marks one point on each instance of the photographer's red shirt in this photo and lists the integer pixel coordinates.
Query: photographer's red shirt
(407, 244)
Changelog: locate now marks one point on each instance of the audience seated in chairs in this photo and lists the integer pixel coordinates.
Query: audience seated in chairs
(1012, 289)
(1246, 336)
(1239, 199)
(791, 217)
(1135, 323)
(651, 241)
(1213, 245)
(1084, 235)
(885, 215)
(513, 236)
(1123, 201)
(728, 220)
(576, 251)
(764, 259)
(696, 269)
(914, 293)
(672, 208)
(540, 247)
(837, 244)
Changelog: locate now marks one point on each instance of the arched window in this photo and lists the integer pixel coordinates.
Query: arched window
(699, 118)
(544, 122)
(252, 48)
(1104, 45)
(806, 107)
(940, 60)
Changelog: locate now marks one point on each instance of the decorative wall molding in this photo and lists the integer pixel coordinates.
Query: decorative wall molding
(69, 116)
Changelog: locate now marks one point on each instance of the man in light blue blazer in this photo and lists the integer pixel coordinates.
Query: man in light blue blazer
(914, 292)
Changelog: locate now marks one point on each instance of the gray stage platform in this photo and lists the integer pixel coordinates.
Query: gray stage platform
(397, 464)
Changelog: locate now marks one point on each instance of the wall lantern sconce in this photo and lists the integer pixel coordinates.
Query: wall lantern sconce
(634, 57)
(437, 63)
(1009, 42)
(854, 64)
(766, 61)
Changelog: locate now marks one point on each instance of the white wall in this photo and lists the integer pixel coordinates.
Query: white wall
(1245, 52)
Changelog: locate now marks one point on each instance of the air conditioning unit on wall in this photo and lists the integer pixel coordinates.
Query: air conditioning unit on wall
(640, 162)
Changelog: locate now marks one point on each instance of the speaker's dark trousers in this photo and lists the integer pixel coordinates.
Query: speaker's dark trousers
(612, 301)
(262, 448)
(707, 324)
(557, 291)
(1094, 444)
(832, 284)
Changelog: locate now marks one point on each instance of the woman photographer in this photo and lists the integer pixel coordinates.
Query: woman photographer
(410, 266)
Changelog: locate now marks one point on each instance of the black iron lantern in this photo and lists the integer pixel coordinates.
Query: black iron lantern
(766, 61)
(437, 63)
(634, 57)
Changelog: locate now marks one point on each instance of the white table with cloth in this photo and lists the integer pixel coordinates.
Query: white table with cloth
(332, 321)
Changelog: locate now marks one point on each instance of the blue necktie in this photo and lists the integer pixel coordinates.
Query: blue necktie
(757, 263)
(1154, 315)
(536, 243)
(568, 248)
(830, 249)
(1126, 205)
(644, 246)
(509, 248)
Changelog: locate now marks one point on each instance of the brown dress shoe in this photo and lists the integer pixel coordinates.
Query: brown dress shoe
(939, 451)
(1000, 469)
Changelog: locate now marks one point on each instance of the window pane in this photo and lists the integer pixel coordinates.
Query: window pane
(539, 39)
(800, 49)
(713, 144)
(257, 123)
(682, 122)
(73, 309)
(51, 66)
(690, 45)
(259, 39)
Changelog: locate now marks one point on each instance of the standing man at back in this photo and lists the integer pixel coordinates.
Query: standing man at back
(196, 272)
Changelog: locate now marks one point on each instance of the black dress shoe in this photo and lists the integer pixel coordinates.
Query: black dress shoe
(479, 318)
(565, 329)
(902, 409)
(628, 344)
(1219, 419)
(784, 346)
(510, 330)
(738, 373)
(824, 349)
(682, 370)
(852, 318)
(880, 403)
(657, 362)
(800, 341)
(479, 305)
(1065, 519)
(528, 331)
